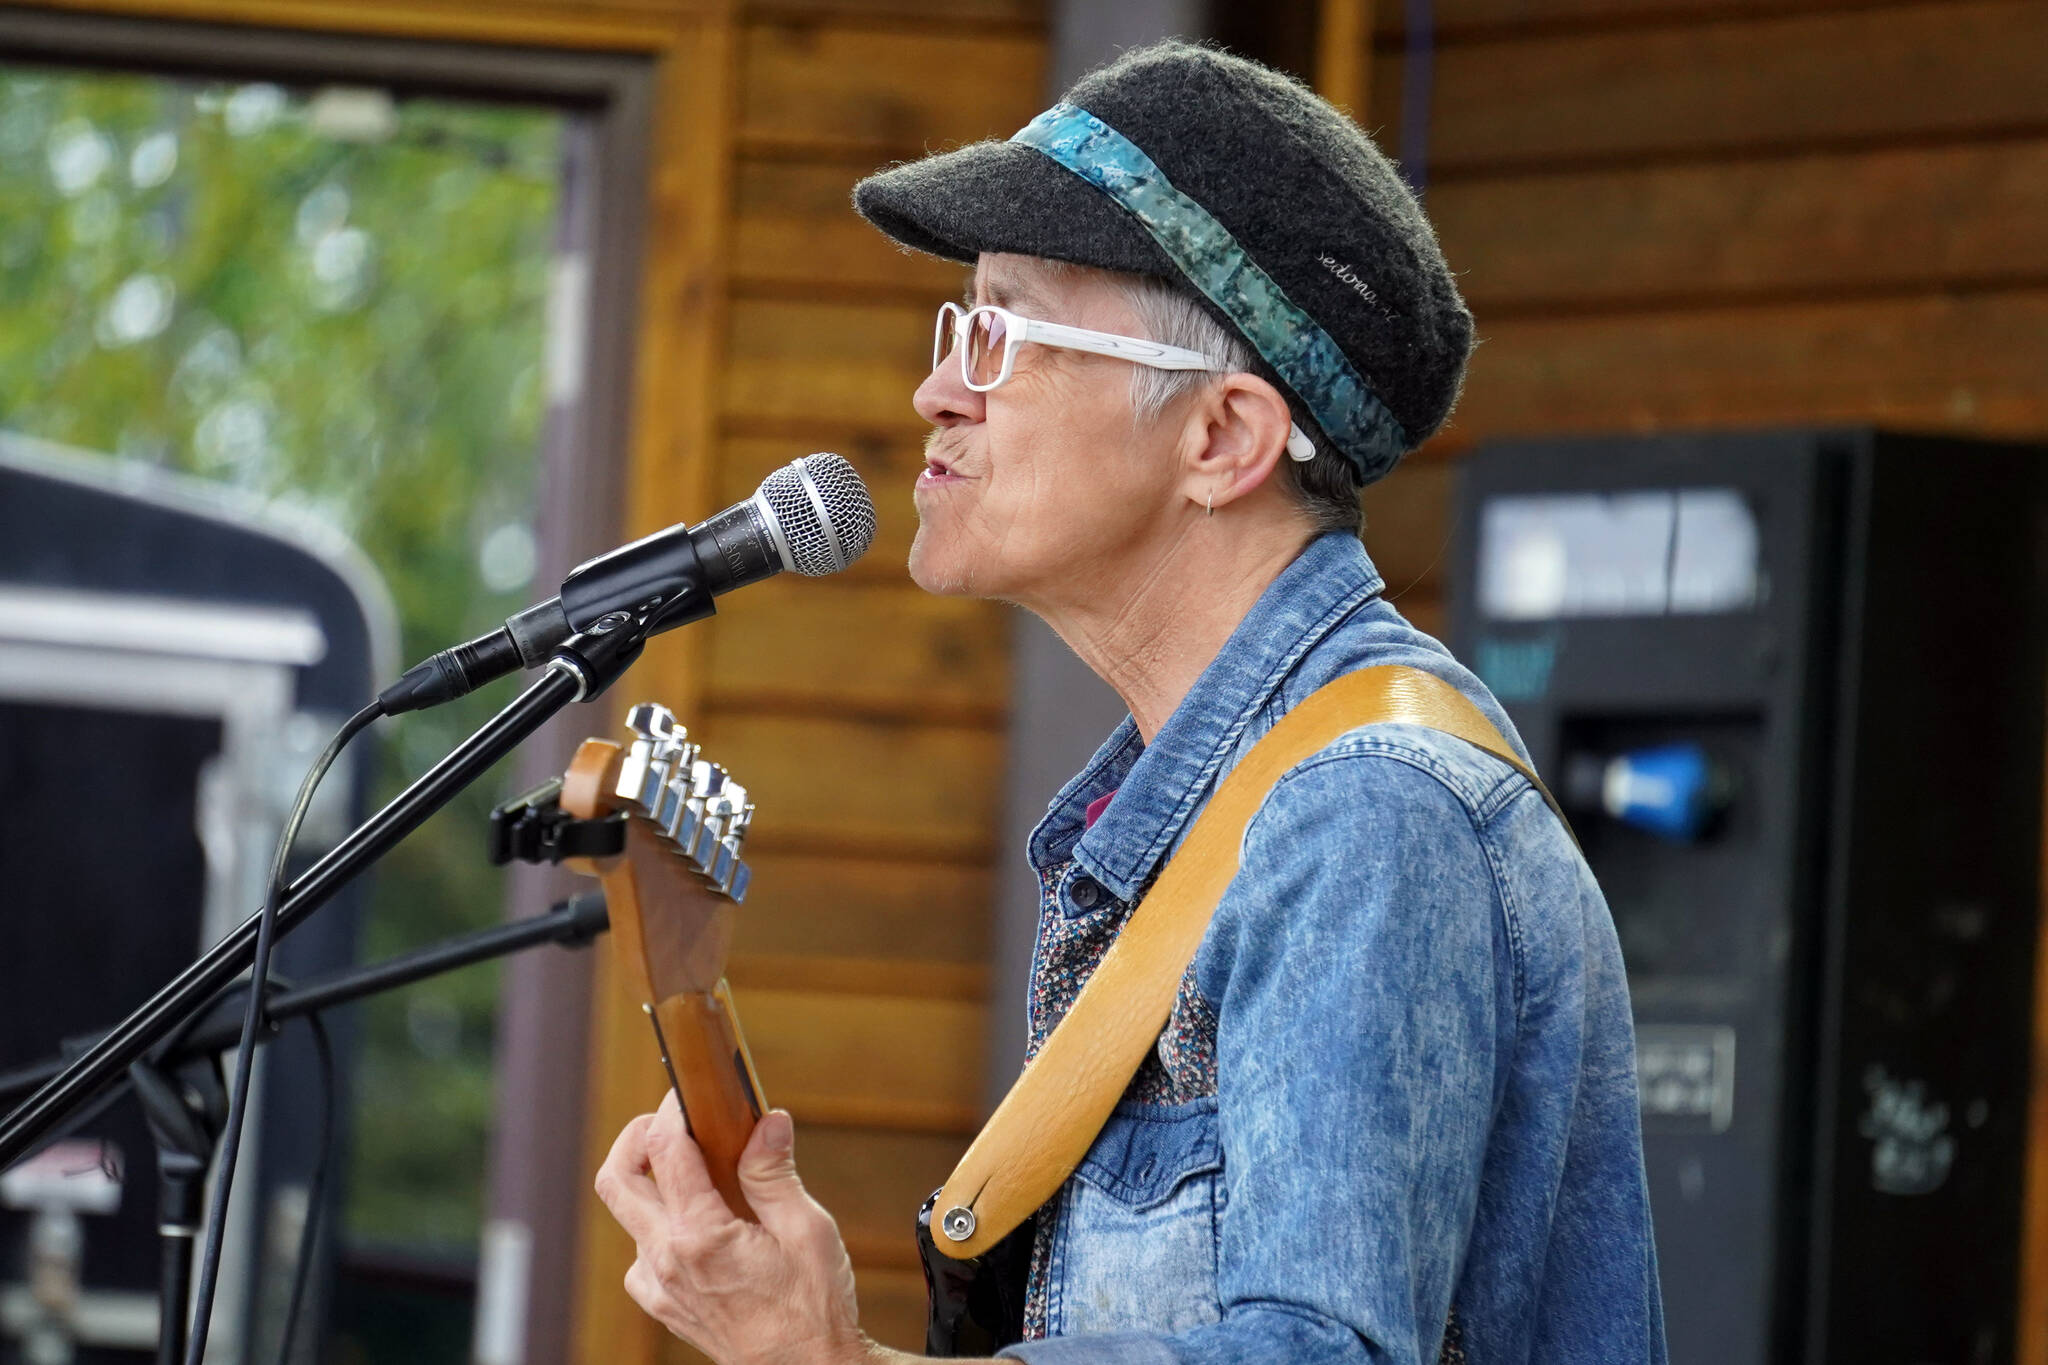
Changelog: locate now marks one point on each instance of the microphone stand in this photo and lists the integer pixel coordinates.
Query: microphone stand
(184, 1101)
(584, 666)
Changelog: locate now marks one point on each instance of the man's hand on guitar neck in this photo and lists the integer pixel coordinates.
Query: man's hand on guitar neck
(777, 1292)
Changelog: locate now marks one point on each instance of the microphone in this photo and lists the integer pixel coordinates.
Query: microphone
(812, 516)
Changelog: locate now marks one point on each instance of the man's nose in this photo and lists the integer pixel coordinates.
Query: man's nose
(944, 399)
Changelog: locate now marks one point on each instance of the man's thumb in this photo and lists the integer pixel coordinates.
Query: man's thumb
(767, 1167)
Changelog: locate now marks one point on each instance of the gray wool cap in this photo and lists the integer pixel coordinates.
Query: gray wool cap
(1290, 226)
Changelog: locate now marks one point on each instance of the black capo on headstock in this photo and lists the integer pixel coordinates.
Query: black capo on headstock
(535, 829)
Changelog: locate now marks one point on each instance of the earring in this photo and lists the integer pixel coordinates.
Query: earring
(1209, 503)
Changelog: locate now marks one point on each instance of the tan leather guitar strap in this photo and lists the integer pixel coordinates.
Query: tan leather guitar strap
(1051, 1116)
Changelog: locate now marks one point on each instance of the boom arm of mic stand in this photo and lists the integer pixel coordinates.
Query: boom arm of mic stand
(584, 667)
(571, 923)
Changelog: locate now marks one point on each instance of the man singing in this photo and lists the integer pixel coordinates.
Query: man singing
(1393, 1116)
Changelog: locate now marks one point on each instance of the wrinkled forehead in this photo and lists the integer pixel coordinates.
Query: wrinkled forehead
(1020, 283)
(1053, 291)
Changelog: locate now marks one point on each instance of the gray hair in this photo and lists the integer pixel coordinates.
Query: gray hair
(1326, 488)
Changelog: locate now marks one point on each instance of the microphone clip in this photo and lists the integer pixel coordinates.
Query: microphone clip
(599, 654)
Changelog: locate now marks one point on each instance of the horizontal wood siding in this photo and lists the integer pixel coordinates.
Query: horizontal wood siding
(1026, 15)
(908, 1062)
(895, 787)
(1473, 18)
(813, 89)
(1884, 221)
(799, 645)
(1968, 361)
(793, 214)
(1949, 70)
(1677, 214)
(842, 362)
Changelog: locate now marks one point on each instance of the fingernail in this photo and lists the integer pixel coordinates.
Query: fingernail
(779, 1134)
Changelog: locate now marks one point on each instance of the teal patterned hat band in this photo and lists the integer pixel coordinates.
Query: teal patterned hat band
(1285, 336)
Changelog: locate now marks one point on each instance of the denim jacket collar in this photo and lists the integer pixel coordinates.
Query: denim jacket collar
(1161, 786)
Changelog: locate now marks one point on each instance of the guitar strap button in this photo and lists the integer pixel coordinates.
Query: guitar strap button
(958, 1224)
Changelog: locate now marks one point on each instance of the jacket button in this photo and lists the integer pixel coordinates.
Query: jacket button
(1085, 893)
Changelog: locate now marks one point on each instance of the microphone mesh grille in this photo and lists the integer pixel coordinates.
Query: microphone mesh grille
(848, 509)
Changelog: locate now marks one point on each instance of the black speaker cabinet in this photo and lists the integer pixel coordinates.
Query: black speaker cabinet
(1790, 684)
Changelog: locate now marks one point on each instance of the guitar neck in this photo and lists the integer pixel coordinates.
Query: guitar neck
(714, 1080)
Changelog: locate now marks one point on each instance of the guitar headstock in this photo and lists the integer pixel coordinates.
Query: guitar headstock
(662, 778)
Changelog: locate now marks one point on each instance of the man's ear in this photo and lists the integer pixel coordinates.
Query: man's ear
(1235, 437)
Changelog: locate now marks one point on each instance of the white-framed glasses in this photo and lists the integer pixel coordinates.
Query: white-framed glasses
(991, 336)
(986, 339)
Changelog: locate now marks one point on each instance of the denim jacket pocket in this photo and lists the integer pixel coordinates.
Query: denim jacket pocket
(1136, 1246)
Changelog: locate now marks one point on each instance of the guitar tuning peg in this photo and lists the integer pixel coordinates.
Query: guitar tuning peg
(651, 720)
(658, 742)
(652, 777)
(727, 870)
(706, 779)
(732, 799)
(673, 813)
(640, 771)
(707, 783)
(716, 851)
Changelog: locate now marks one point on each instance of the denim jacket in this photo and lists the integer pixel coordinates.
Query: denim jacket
(1398, 1088)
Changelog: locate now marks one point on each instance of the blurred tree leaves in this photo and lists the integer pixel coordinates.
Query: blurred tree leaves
(338, 301)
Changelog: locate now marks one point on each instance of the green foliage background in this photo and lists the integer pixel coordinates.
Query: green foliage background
(225, 281)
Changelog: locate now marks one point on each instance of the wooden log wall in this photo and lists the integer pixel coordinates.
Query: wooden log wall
(1728, 213)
